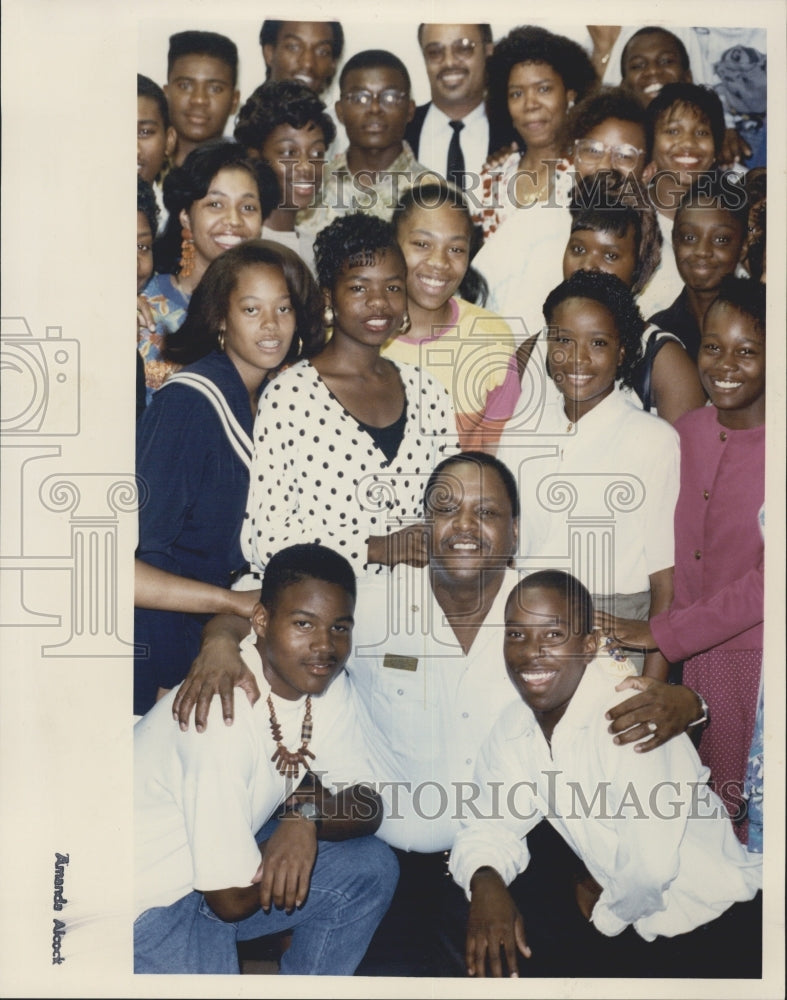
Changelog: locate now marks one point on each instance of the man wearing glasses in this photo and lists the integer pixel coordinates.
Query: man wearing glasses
(450, 134)
(378, 165)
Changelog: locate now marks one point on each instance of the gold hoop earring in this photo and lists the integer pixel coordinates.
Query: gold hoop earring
(328, 317)
(220, 339)
(406, 324)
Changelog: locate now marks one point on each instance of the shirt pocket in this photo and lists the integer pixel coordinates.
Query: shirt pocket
(404, 712)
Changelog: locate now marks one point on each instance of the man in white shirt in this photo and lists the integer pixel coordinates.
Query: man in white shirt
(658, 843)
(455, 119)
(214, 863)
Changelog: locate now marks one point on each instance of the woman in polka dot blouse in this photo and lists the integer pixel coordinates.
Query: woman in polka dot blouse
(344, 442)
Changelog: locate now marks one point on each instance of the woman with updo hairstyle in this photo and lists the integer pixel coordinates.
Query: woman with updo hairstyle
(255, 309)
(215, 200)
(535, 78)
(285, 124)
(344, 441)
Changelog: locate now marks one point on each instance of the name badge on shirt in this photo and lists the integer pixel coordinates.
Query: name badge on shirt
(400, 662)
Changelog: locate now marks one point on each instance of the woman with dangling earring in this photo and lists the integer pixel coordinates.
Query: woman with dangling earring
(345, 441)
(256, 309)
(215, 200)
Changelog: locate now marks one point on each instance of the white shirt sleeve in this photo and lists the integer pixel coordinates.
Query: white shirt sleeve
(504, 812)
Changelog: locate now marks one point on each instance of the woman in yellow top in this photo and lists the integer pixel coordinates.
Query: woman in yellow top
(466, 347)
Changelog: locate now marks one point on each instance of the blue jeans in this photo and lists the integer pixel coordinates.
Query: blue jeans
(351, 886)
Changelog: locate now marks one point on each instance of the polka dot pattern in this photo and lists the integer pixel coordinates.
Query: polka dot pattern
(317, 476)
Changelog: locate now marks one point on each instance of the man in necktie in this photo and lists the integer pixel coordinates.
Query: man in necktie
(455, 166)
(455, 56)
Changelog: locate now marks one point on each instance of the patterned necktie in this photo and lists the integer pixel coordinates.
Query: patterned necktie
(456, 160)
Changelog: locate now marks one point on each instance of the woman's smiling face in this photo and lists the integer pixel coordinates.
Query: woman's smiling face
(369, 299)
(731, 364)
(436, 247)
(584, 352)
(229, 214)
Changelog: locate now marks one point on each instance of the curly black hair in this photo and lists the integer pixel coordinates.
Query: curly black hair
(609, 202)
(435, 192)
(527, 44)
(189, 183)
(351, 241)
(609, 291)
(284, 103)
(208, 307)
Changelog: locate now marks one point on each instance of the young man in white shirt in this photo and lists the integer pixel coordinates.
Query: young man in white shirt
(215, 860)
(657, 842)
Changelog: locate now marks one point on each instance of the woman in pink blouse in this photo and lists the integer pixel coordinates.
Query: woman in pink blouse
(715, 622)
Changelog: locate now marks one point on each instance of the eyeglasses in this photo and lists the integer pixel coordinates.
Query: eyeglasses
(461, 48)
(592, 151)
(364, 98)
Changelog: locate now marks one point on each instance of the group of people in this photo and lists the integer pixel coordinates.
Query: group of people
(450, 445)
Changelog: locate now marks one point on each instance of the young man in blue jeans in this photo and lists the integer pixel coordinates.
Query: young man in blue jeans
(217, 862)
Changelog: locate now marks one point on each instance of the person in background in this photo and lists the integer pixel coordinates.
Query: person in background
(304, 51)
(285, 124)
(535, 77)
(216, 200)
(612, 232)
(685, 132)
(201, 88)
(378, 165)
(708, 234)
(652, 57)
(450, 134)
(605, 131)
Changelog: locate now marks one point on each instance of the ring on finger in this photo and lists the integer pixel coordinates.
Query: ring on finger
(652, 727)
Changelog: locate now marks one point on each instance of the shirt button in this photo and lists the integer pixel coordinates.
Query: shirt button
(723, 436)
(413, 607)
(697, 554)
(705, 494)
(400, 691)
(465, 715)
(469, 760)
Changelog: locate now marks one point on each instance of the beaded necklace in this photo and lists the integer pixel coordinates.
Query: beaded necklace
(288, 761)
